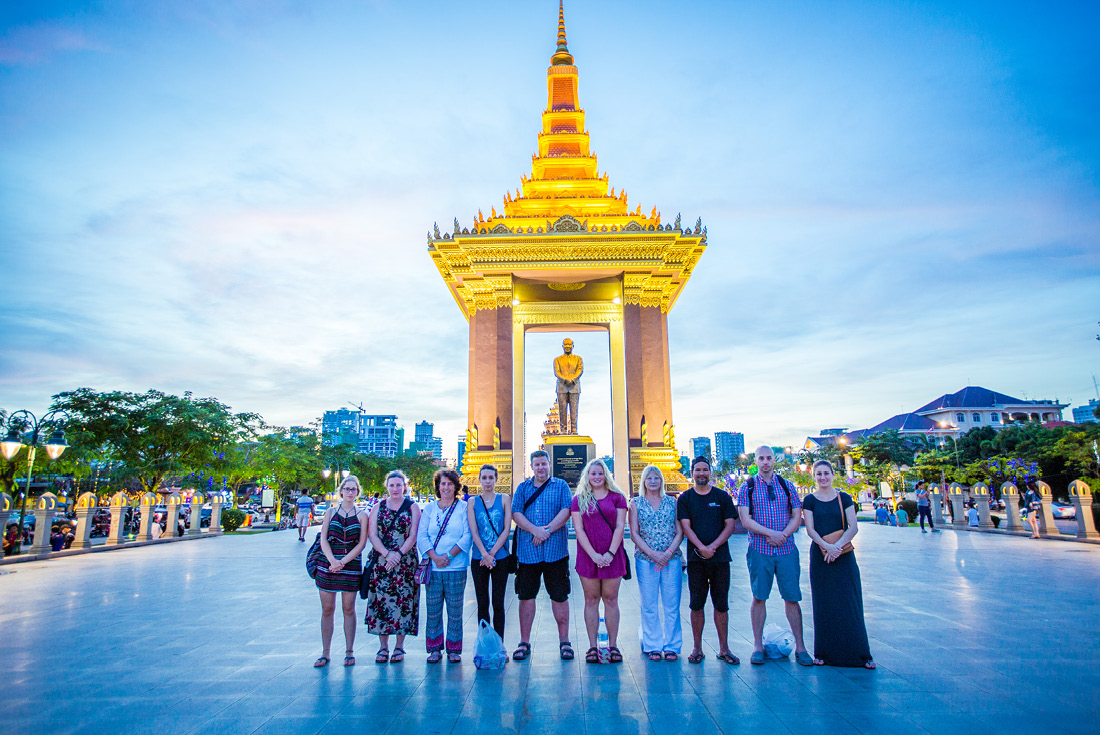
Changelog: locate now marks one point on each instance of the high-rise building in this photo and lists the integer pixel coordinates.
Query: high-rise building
(400, 436)
(424, 431)
(425, 440)
(340, 427)
(378, 435)
(435, 446)
(728, 446)
(1085, 414)
(700, 447)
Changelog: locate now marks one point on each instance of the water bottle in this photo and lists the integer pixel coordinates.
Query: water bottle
(602, 643)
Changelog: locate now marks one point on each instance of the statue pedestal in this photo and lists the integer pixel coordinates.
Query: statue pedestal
(568, 455)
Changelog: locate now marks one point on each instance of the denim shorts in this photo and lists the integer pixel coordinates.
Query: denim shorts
(784, 568)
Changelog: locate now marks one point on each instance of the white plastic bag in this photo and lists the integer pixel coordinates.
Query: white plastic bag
(489, 652)
(778, 643)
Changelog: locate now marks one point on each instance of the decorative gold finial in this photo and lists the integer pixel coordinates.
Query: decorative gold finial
(561, 57)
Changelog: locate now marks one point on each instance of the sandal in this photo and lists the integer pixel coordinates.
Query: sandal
(729, 658)
(757, 658)
(870, 665)
(435, 657)
(398, 656)
(349, 658)
(805, 659)
(321, 662)
(614, 655)
(383, 656)
(654, 655)
(671, 656)
(592, 656)
(523, 650)
(696, 657)
(565, 649)
(454, 658)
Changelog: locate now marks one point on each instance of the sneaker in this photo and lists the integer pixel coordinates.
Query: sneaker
(935, 530)
(923, 531)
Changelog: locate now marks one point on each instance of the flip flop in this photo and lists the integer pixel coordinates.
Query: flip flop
(729, 658)
(349, 658)
(757, 658)
(696, 658)
(398, 656)
(321, 662)
(671, 656)
(804, 658)
(383, 656)
(654, 655)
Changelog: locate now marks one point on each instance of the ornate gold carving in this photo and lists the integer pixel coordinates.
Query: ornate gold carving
(471, 466)
(666, 459)
(565, 286)
(567, 312)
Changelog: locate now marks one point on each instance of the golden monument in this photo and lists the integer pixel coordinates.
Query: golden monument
(568, 254)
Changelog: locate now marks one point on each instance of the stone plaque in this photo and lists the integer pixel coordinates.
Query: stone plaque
(567, 461)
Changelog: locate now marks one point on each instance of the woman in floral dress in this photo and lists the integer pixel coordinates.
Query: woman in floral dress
(393, 596)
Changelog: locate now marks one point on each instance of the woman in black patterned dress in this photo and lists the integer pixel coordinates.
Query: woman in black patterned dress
(393, 596)
(343, 537)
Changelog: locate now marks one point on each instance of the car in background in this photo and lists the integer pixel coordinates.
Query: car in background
(1063, 511)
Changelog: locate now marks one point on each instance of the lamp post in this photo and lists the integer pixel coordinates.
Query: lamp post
(11, 445)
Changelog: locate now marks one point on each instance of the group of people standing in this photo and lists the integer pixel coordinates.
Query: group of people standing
(451, 535)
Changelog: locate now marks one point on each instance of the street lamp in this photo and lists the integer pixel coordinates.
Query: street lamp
(11, 445)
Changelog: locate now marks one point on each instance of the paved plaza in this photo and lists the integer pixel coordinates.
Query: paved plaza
(973, 633)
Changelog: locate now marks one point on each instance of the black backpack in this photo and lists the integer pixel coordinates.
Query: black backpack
(751, 485)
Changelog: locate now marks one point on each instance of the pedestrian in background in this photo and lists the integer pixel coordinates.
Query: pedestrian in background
(656, 535)
(1033, 503)
(924, 507)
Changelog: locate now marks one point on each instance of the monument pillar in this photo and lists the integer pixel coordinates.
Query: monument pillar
(1081, 495)
(43, 523)
(519, 440)
(1047, 526)
(86, 506)
(619, 408)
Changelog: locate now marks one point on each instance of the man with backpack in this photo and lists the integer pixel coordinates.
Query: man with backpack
(771, 511)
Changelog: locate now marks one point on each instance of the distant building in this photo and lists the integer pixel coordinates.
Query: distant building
(685, 466)
(399, 434)
(728, 446)
(378, 435)
(340, 427)
(956, 413)
(700, 447)
(424, 431)
(1086, 414)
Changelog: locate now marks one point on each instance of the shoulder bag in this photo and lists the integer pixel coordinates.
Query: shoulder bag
(424, 571)
(626, 556)
(509, 562)
(313, 557)
(835, 536)
(373, 556)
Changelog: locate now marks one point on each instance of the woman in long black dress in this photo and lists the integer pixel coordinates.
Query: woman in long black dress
(840, 636)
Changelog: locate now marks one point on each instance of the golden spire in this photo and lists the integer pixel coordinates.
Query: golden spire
(561, 57)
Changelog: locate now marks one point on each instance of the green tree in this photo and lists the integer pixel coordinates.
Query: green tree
(153, 434)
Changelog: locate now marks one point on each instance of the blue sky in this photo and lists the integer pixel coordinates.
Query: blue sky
(231, 198)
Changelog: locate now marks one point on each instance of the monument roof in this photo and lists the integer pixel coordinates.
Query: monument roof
(565, 222)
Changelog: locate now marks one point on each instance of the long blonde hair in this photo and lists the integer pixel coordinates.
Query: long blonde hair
(586, 499)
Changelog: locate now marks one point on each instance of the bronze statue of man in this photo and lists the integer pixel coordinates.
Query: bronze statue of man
(568, 368)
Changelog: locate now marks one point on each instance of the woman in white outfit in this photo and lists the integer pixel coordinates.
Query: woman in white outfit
(657, 536)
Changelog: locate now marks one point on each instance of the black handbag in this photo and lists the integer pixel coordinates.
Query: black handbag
(622, 546)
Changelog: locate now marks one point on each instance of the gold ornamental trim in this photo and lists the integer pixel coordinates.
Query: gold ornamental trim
(567, 312)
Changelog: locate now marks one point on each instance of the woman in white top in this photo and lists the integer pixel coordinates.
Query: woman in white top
(657, 534)
(444, 536)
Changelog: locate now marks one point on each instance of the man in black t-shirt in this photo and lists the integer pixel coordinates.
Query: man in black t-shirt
(707, 516)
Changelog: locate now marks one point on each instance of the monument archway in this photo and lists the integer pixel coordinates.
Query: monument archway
(568, 254)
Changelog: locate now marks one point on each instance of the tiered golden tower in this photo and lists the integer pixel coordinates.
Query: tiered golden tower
(568, 254)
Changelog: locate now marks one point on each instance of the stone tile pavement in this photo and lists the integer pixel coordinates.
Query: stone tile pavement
(973, 633)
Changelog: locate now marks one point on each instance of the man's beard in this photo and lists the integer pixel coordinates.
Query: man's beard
(701, 481)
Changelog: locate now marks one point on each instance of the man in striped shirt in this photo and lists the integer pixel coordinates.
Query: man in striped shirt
(771, 511)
